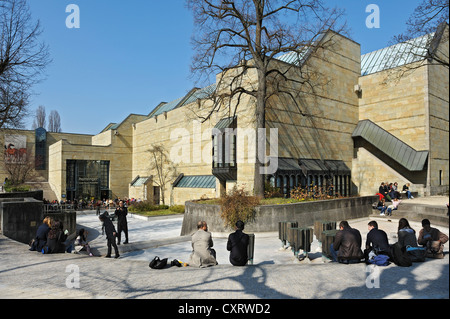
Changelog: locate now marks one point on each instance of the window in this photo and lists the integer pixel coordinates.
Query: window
(224, 143)
(87, 179)
(40, 154)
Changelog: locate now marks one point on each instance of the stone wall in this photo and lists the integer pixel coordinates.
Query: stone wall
(21, 216)
(267, 217)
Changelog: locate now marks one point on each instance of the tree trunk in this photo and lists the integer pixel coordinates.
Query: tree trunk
(260, 122)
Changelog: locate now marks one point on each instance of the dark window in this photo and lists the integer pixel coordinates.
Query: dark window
(87, 179)
(40, 153)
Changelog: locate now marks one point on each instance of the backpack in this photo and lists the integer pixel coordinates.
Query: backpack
(157, 263)
(379, 260)
(417, 254)
(400, 256)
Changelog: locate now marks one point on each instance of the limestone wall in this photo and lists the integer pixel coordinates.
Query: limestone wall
(319, 123)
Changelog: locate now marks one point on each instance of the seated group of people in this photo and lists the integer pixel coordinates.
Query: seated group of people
(51, 238)
(390, 191)
(203, 255)
(346, 247)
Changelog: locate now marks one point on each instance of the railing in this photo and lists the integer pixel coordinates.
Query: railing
(48, 208)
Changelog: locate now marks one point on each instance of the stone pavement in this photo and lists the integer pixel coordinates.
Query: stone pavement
(276, 274)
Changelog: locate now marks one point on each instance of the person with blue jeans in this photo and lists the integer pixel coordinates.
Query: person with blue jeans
(346, 247)
(381, 206)
(407, 191)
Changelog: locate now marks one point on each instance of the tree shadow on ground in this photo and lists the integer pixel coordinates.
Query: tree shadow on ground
(396, 282)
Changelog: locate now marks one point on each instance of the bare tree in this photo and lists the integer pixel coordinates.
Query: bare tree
(40, 117)
(20, 171)
(54, 122)
(23, 59)
(165, 169)
(234, 38)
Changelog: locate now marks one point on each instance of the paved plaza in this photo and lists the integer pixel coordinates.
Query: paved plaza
(275, 274)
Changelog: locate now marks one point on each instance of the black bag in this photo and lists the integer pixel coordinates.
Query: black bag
(175, 262)
(400, 256)
(416, 254)
(157, 263)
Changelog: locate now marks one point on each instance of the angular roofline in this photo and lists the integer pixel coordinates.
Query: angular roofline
(117, 125)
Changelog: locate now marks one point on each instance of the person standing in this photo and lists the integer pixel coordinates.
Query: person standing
(122, 224)
(237, 245)
(108, 227)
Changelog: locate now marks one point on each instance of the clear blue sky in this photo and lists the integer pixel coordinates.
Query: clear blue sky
(128, 56)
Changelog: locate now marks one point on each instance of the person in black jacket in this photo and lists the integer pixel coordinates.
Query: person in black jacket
(41, 235)
(237, 245)
(377, 240)
(122, 223)
(56, 238)
(110, 231)
(346, 247)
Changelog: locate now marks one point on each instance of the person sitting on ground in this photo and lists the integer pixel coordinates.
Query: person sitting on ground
(393, 206)
(386, 190)
(382, 191)
(237, 245)
(407, 239)
(381, 206)
(202, 254)
(81, 243)
(346, 247)
(376, 241)
(391, 191)
(396, 190)
(41, 235)
(407, 191)
(432, 239)
(406, 235)
(56, 238)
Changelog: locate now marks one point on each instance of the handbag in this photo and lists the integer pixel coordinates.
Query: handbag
(157, 263)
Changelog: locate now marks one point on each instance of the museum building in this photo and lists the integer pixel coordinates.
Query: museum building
(382, 116)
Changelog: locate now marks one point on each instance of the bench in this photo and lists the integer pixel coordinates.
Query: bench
(328, 238)
(322, 225)
(300, 239)
(283, 231)
(251, 248)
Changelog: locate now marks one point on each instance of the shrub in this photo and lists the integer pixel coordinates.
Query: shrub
(145, 206)
(272, 191)
(17, 188)
(179, 209)
(238, 205)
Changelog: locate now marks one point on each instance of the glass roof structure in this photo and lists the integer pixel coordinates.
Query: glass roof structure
(396, 55)
(198, 181)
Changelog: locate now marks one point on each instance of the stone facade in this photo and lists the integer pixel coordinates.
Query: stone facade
(314, 121)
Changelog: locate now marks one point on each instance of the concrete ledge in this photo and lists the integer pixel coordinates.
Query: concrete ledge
(417, 212)
(267, 217)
